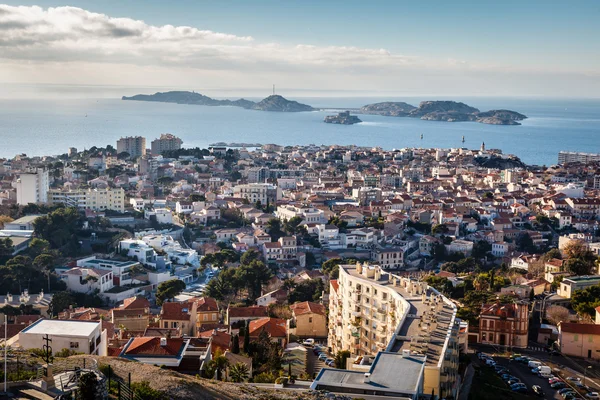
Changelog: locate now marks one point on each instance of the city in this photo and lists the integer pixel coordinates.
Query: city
(306, 267)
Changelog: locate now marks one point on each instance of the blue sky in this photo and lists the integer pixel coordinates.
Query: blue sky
(547, 46)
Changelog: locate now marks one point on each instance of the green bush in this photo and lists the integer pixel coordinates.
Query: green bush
(265, 377)
(144, 390)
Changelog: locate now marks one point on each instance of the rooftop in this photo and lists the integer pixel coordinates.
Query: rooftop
(62, 327)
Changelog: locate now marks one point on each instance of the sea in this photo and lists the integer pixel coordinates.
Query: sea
(49, 125)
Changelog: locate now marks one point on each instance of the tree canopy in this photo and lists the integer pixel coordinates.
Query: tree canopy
(169, 289)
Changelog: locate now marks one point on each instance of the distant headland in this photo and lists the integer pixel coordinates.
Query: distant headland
(272, 103)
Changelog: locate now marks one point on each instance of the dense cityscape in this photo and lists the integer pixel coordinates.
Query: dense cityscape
(304, 267)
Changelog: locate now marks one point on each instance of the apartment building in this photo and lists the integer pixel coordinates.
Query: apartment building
(388, 258)
(372, 311)
(309, 215)
(32, 186)
(255, 192)
(93, 199)
(134, 145)
(166, 142)
(571, 157)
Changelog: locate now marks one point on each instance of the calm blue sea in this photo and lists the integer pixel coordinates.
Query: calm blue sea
(50, 126)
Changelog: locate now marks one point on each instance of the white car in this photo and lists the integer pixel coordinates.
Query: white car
(593, 395)
(309, 342)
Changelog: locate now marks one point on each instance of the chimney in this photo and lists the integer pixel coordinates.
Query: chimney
(405, 353)
(359, 268)
(367, 378)
(163, 341)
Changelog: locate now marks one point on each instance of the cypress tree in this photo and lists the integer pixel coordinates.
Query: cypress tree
(247, 337)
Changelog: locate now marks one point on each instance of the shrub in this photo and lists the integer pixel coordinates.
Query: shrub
(265, 377)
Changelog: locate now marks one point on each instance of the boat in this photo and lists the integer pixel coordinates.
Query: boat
(421, 136)
(463, 139)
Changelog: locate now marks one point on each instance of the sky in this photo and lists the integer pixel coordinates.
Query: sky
(467, 48)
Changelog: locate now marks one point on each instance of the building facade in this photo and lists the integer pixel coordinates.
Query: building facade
(504, 324)
(93, 199)
(32, 186)
(134, 145)
(166, 142)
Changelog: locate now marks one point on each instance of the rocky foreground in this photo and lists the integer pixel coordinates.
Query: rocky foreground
(271, 103)
(449, 111)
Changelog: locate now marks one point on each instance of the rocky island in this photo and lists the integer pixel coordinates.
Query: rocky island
(343, 118)
(271, 103)
(449, 111)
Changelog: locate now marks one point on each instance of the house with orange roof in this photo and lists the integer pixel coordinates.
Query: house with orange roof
(276, 328)
(155, 350)
(207, 311)
(133, 314)
(239, 314)
(179, 315)
(309, 320)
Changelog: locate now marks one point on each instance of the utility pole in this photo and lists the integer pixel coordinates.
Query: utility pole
(273, 89)
(5, 349)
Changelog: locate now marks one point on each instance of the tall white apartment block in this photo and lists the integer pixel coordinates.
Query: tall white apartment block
(32, 186)
(134, 145)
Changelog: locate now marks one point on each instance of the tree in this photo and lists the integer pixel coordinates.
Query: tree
(291, 226)
(221, 363)
(274, 229)
(253, 275)
(168, 290)
(552, 253)
(59, 227)
(60, 302)
(249, 256)
(6, 247)
(247, 337)
(585, 301)
(481, 248)
(5, 219)
(439, 229)
(340, 359)
(238, 372)
(45, 262)
(579, 266)
(38, 246)
(88, 387)
(235, 345)
(575, 249)
(525, 243)
(556, 314)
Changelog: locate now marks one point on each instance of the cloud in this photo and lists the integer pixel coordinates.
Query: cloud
(74, 34)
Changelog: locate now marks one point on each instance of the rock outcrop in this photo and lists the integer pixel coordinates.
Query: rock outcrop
(449, 111)
(278, 103)
(343, 118)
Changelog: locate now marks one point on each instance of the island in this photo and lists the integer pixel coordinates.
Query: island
(272, 103)
(449, 111)
(343, 118)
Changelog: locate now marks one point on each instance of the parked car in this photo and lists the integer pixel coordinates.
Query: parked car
(515, 355)
(565, 390)
(513, 381)
(490, 363)
(554, 380)
(323, 356)
(309, 342)
(537, 389)
(573, 379)
(593, 395)
(519, 387)
(524, 360)
(330, 362)
(508, 377)
(558, 385)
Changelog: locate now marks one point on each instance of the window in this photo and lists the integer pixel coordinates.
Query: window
(491, 324)
(484, 323)
(491, 337)
(310, 320)
(483, 336)
(575, 337)
(75, 345)
(214, 317)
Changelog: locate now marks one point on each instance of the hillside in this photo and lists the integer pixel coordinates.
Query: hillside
(281, 104)
(184, 387)
(388, 109)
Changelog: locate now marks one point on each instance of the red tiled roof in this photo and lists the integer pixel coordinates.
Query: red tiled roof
(206, 304)
(247, 312)
(334, 284)
(175, 311)
(151, 346)
(307, 307)
(26, 319)
(275, 327)
(587, 329)
(136, 302)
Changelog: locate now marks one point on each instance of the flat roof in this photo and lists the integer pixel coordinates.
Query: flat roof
(26, 219)
(110, 262)
(62, 327)
(390, 372)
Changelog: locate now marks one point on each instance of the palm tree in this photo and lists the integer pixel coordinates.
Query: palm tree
(238, 372)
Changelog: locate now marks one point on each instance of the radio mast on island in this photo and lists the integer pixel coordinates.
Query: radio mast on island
(273, 89)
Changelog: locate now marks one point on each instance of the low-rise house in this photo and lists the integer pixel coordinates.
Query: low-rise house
(207, 310)
(309, 320)
(242, 314)
(276, 328)
(504, 324)
(133, 314)
(388, 257)
(275, 296)
(521, 291)
(88, 280)
(568, 286)
(579, 340)
(179, 316)
(156, 350)
(460, 246)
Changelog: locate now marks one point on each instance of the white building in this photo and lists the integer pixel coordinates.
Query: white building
(85, 337)
(88, 280)
(254, 192)
(32, 186)
(93, 199)
(119, 269)
(308, 214)
(139, 250)
(162, 215)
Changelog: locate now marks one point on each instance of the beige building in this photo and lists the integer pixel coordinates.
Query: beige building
(134, 145)
(180, 316)
(32, 186)
(94, 199)
(569, 285)
(133, 314)
(166, 142)
(309, 320)
(579, 340)
(373, 311)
